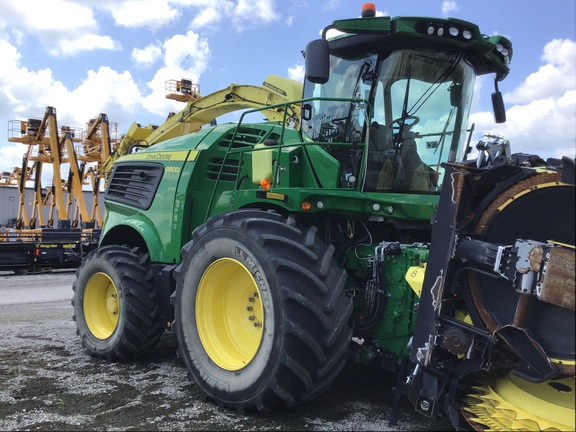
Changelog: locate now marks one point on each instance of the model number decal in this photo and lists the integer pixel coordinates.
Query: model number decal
(173, 169)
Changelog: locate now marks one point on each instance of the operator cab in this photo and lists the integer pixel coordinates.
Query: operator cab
(389, 113)
(404, 110)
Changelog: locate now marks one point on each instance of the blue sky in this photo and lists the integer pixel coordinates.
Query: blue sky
(84, 57)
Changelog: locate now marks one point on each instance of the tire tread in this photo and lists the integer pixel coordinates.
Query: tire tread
(319, 325)
(142, 330)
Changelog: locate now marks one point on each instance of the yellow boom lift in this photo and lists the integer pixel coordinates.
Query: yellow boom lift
(91, 155)
(200, 111)
(70, 230)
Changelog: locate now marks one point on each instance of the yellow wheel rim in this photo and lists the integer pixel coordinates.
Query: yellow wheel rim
(510, 403)
(101, 305)
(229, 314)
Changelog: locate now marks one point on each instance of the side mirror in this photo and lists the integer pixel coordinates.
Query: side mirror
(317, 61)
(456, 95)
(498, 107)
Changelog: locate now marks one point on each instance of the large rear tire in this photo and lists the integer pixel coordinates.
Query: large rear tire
(115, 303)
(261, 312)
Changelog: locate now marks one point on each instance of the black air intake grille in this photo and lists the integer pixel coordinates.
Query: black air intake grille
(135, 184)
(226, 172)
(245, 137)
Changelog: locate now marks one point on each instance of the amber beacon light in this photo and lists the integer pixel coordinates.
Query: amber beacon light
(368, 10)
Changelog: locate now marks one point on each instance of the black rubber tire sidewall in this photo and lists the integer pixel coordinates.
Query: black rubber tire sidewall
(138, 329)
(229, 243)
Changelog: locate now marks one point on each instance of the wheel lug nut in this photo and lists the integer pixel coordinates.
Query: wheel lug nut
(249, 308)
(251, 317)
(251, 299)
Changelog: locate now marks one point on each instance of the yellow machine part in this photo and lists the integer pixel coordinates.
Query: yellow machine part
(506, 402)
(101, 306)
(415, 278)
(261, 164)
(509, 403)
(229, 314)
(198, 112)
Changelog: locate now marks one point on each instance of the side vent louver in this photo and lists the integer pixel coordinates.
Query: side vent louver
(245, 137)
(227, 172)
(134, 184)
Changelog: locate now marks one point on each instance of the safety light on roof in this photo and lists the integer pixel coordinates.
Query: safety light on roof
(444, 29)
(368, 10)
(502, 50)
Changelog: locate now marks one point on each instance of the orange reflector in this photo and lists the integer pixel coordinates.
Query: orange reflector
(306, 206)
(265, 184)
(368, 10)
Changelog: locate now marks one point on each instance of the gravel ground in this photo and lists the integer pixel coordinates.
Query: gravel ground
(48, 381)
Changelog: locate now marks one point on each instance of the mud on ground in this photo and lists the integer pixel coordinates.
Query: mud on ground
(49, 382)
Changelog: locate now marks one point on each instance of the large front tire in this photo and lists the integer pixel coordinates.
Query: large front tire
(261, 312)
(115, 303)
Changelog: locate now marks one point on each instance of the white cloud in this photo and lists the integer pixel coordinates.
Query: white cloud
(206, 17)
(64, 27)
(248, 13)
(18, 36)
(142, 13)
(147, 56)
(208, 12)
(154, 14)
(68, 27)
(188, 52)
(48, 16)
(25, 93)
(449, 7)
(108, 91)
(23, 89)
(541, 114)
(87, 42)
(296, 73)
(553, 78)
(186, 56)
(13, 153)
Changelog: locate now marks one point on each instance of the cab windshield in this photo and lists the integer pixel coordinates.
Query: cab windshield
(399, 117)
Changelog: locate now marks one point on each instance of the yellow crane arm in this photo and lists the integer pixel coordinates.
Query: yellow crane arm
(198, 112)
